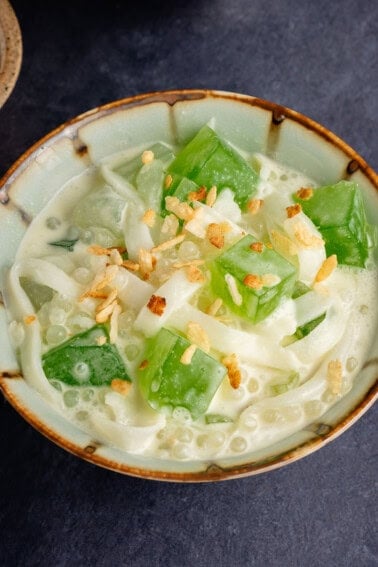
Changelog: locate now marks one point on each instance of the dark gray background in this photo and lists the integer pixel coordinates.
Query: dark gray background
(319, 57)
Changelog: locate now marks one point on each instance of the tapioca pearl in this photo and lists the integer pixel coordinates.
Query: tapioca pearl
(82, 415)
(167, 432)
(238, 393)
(71, 398)
(87, 236)
(73, 233)
(271, 415)
(87, 395)
(52, 223)
(126, 320)
(182, 414)
(57, 316)
(248, 419)
(81, 371)
(62, 302)
(181, 451)
(184, 434)
(292, 413)
(82, 275)
(364, 309)
(313, 408)
(253, 385)
(351, 363)
(211, 441)
(132, 351)
(56, 334)
(329, 398)
(57, 385)
(238, 444)
(188, 251)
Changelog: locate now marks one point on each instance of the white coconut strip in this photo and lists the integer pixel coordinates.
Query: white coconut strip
(176, 291)
(19, 307)
(311, 258)
(256, 349)
(325, 336)
(121, 186)
(132, 291)
(206, 215)
(45, 273)
(225, 205)
(280, 323)
(136, 233)
(134, 438)
(311, 305)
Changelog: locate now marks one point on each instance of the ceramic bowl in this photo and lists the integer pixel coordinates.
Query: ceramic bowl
(10, 50)
(252, 124)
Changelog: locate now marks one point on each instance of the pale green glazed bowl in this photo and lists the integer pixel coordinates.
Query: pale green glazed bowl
(252, 124)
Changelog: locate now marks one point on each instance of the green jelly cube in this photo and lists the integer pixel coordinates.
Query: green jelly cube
(166, 383)
(180, 188)
(207, 160)
(339, 214)
(239, 261)
(81, 360)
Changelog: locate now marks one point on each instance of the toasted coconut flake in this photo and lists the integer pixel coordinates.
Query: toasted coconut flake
(120, 386)
(182, 210)
(157, 305)
(214, 307)
(269, 280)
(143, 364)
(254, 205)
(257, 247)
(233, 289)
(149, 218)
(109, 299)
(211, 197)
(113, 334)
(187, 355)
(305, 193)
(215, 233)
(130, 265)
(233, 371)
(326, 269)
(253, 281)
(293, 210)
(282, 243)
(115, 257)
(29, 319)
(101, 340)
(195, 262)
(147, 157)
(97, 294)
(169, 243)
(335, 376)
(194, 274)
(199, 195)
(305, 237)
(198, 336)
(168, 181)
(170, 225)
(145, 262)
(103, 315)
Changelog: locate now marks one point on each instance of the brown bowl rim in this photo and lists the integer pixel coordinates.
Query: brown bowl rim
(213, 472)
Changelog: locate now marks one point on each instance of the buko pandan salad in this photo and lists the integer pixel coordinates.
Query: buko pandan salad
(194, 302)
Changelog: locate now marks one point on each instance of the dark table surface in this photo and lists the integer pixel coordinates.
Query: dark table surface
(320, 58)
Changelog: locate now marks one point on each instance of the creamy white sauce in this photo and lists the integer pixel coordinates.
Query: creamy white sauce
(260, 416)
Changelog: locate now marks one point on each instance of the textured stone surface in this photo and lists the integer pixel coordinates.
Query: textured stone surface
(320, 58)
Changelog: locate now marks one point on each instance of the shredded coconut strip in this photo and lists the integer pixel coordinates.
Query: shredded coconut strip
(198, 336)
(113, 334)
(211, 197)
(103, 316)
(214, 307)
(109, 299)
(232, 288)
(326, 269)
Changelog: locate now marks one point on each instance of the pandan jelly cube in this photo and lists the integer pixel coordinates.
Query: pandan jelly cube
(208, 160)
(273, 276)
(166, 383)
(338, 212)
(84, 360)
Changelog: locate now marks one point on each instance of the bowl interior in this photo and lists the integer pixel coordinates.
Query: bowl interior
(255, 126)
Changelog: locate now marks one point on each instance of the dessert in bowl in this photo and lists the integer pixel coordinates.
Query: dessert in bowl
(190, 285)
